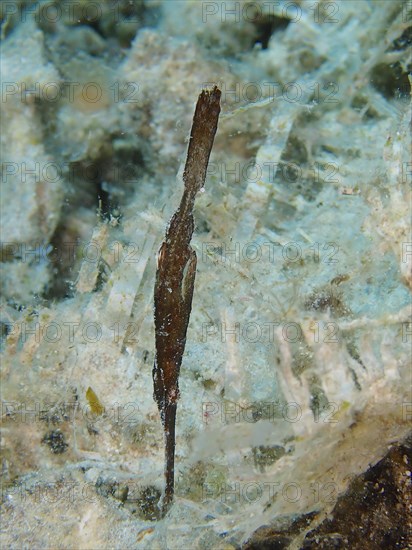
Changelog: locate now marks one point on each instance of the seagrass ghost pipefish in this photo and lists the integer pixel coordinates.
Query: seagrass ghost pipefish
(175, 277)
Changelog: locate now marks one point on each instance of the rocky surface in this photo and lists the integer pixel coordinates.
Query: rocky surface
(296, 376)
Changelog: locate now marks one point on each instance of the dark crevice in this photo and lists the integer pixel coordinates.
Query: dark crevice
(391, 81)
(266, 25)
(101, 186)
(104, 201)
(403, 41)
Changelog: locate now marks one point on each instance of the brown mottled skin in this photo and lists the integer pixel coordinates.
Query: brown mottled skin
(175, 276)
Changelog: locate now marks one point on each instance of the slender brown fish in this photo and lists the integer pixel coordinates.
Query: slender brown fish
(175, 277)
